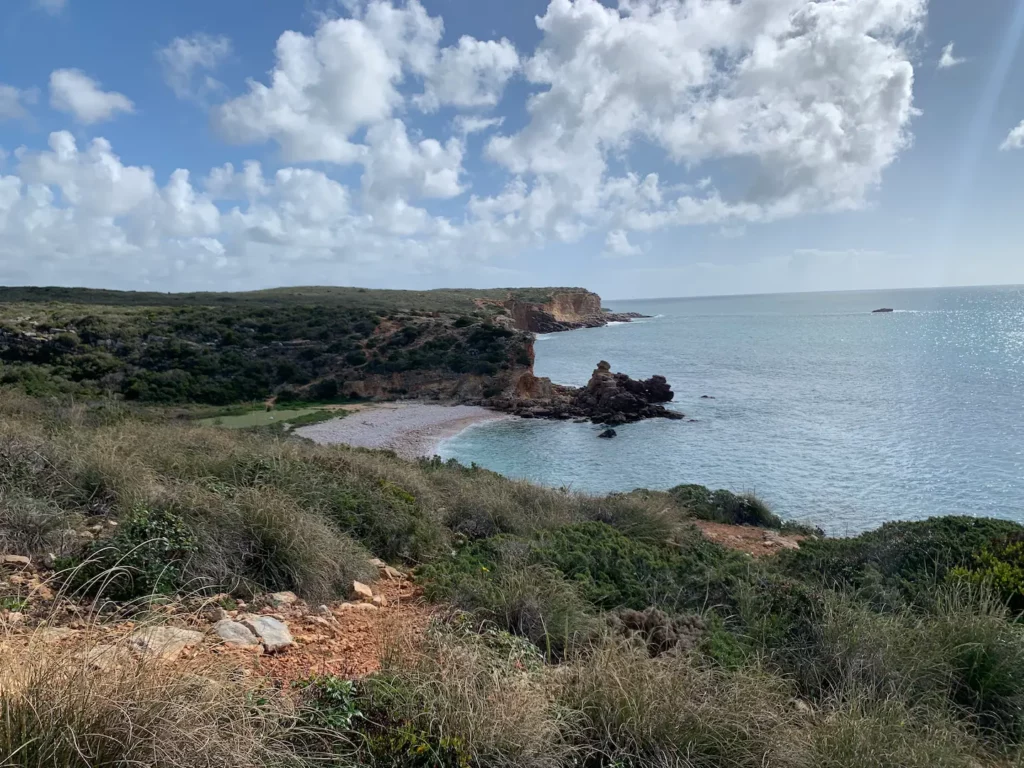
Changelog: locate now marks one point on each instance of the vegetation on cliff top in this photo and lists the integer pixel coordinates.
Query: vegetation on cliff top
(593, 631)
(225, 348)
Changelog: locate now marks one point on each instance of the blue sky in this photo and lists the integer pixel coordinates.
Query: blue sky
(650, 148)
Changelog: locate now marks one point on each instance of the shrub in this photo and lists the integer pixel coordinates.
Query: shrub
(901, 560)
(260, 540)
(725, 507)
(33, 527)
(889, 735)
(460, 699)
(148, 555)
(525, 599)
(1000, 567)
(637, 711)
(608, 568)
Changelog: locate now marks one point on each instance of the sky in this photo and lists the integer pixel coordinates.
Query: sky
(643, 148)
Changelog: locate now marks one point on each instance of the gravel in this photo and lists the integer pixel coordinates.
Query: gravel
(409, 429)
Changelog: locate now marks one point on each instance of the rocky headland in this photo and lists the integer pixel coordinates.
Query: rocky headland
(608, 398)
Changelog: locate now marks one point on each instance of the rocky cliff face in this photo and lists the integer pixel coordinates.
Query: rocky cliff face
(565, 310)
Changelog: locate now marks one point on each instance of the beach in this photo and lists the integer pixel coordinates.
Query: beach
(412, 429)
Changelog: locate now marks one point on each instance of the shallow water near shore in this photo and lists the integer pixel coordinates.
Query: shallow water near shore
(831, 413)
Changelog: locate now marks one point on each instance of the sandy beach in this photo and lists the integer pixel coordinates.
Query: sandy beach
(409, 429)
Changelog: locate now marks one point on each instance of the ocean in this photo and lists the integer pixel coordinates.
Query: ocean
(832, 414)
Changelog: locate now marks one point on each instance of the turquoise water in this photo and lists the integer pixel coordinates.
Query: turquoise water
(832, 414)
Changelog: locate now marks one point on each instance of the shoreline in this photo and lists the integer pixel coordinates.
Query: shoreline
(411, 429)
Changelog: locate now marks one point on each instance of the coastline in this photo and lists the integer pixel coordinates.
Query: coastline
(411, 429)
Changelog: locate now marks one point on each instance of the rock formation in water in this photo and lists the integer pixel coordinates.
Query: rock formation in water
(608, 398)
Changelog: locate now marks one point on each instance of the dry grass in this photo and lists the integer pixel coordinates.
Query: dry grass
(59, 711)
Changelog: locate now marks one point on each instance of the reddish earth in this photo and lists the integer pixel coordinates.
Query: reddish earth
(757, 542)
(348, 643)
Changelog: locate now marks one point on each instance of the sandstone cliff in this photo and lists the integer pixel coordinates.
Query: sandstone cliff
(565, 309)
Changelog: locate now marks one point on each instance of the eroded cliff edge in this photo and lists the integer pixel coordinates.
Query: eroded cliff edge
(565, 309)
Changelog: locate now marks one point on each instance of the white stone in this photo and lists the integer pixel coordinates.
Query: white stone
(234, 633)
(166, 643)
(271, 631)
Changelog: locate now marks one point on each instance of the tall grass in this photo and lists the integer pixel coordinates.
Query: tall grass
(59, 711)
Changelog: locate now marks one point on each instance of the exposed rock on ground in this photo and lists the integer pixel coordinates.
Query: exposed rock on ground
(609, 398)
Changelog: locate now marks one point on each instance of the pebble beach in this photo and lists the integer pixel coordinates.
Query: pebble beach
(412, 430)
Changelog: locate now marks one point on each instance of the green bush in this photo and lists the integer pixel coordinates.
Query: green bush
(1000, 567)
(901, 560)
(723, 506)
(148, 555)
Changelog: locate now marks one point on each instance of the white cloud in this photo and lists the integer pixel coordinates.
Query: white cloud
(814, 98)
(947, 59)
(13, 102)
(464, 125)
(397, 168)
(72, 91)
(746, 111)
(327, 86)
(52, 7)
(1015, 139)
(186, 62)
(617, 244)
(471, 74)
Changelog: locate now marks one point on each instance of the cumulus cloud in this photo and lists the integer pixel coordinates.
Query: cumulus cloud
(346, 77)
(948, 60)
(471, 74)
(815, 97)
(1015, 139)
(14, 102)
(746, 111)
(187, 62)
(74, 92)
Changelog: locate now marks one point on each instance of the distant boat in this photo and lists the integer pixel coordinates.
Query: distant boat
(883, 309)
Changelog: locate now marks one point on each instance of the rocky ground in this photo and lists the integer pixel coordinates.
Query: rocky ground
(277, 636)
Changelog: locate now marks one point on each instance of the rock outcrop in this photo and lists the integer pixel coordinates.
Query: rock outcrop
(608, 398)
(565, 310)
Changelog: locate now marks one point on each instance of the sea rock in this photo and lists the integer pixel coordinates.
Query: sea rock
(361, 591)
(608, 433)
(164, 643)
(235, 633)
(274, 633)
(608, 398)
(882, 310)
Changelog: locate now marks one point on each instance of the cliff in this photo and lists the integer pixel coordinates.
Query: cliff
(563, 309)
